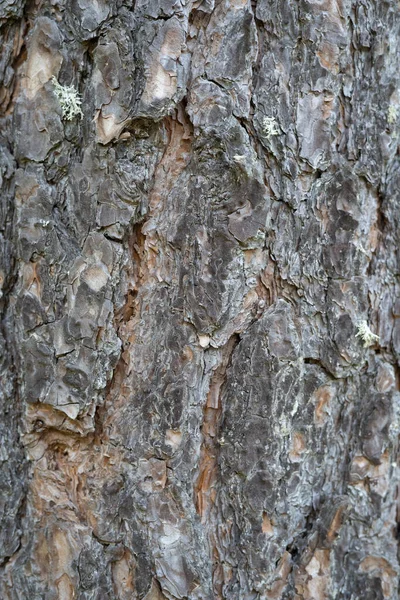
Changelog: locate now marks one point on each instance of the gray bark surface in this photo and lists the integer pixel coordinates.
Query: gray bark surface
(186, 409)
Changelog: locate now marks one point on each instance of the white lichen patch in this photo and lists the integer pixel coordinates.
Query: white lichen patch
(365, 333)
(204, 340)
(69, 100)
(270, 127)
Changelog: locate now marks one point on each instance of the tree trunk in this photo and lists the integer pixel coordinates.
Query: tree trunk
(193, 402)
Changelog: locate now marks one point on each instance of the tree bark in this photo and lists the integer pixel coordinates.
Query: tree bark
(188, 408)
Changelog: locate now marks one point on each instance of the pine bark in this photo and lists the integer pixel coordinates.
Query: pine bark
(187, 411)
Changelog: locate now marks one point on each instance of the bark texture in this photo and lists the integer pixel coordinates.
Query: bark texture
(187, 412)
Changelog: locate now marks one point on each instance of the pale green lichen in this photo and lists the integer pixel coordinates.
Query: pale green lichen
(270, 127)
(365, 333)
(69, 100)
(392, 114)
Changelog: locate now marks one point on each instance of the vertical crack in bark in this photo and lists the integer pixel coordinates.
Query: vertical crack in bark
(205, 489)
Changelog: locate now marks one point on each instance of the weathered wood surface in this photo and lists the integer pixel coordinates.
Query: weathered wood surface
(186, 409)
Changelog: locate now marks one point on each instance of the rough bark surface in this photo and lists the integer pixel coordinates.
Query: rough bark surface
(186, 411)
